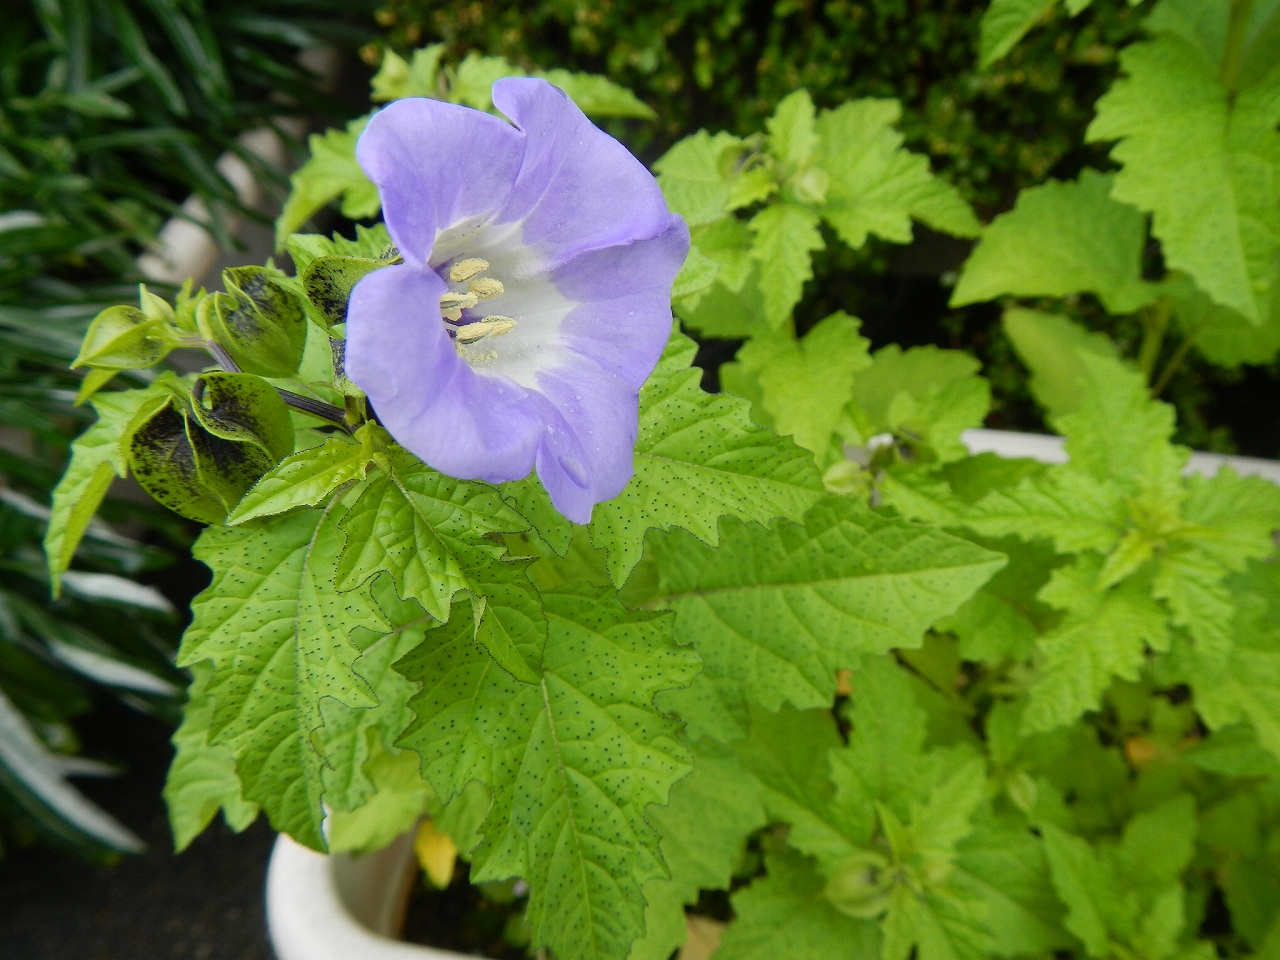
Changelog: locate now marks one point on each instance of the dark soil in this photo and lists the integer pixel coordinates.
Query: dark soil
(203, 904)
(462, 919)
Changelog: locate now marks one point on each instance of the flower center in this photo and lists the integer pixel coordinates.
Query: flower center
(466, 330)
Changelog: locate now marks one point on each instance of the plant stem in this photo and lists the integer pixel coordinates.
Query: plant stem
(315, 408)
(1172, 366)
(1233, 56)
(1155, 322)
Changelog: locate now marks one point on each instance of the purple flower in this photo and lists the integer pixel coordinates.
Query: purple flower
(534, 298)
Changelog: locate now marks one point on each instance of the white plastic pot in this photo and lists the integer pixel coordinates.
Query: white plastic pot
(340, 906)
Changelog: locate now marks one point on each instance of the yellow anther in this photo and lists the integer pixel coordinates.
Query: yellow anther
(485, 287)
(461, 301)
(464, 270)
(488, 327)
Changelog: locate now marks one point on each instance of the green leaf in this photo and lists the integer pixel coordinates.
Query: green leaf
(792, 136)
(202, 777)
(1004, 23)
(280, 639)
(122, 338)
(1242, 682)
(1220, 334)
(1004, 865)
(784, 914)
(705, 827)
(1049, 345)
(97, 457)
(1128, 895)
(1003, 619)
(430, 534)
(572, 762)
(1139, 458)
(924, 396)
(597, 96)
(399, 798)
(692, 177)
(416, 77)
(1200, 161)
(1095, 901)
(353, 739)
(1072, 510)
(699, 457)
(732, 305)
(330, 172)
(875, 185)
(1062, 239)
(785, 236)
(777, 610)
(1104, 635)
(306, 478)
(801, 386)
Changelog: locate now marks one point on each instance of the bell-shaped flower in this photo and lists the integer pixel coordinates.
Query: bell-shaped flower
(534, 298)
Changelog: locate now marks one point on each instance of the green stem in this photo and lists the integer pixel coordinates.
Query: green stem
(1175, 362)
(314, 408)
(1155, 322)
(1233, 56)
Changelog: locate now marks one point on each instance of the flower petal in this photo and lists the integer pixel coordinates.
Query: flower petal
(437, 165)
(585, 456)
(457, 420)
(578, 188)
(623, 318)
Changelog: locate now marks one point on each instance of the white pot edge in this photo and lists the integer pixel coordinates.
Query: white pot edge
(1051, 449)
(314, 900)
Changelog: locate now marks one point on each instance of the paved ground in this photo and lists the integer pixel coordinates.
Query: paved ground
(204, 904)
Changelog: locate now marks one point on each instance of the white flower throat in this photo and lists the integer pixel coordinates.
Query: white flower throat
(478, 288)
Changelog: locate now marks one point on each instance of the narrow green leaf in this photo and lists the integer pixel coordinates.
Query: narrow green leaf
(97, 457)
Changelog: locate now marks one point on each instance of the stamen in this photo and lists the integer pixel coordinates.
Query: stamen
(488, 327)
(485, 287)
(460, 301)
(464, 270)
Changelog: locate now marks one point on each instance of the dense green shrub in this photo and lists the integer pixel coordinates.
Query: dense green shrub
(724, 65)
